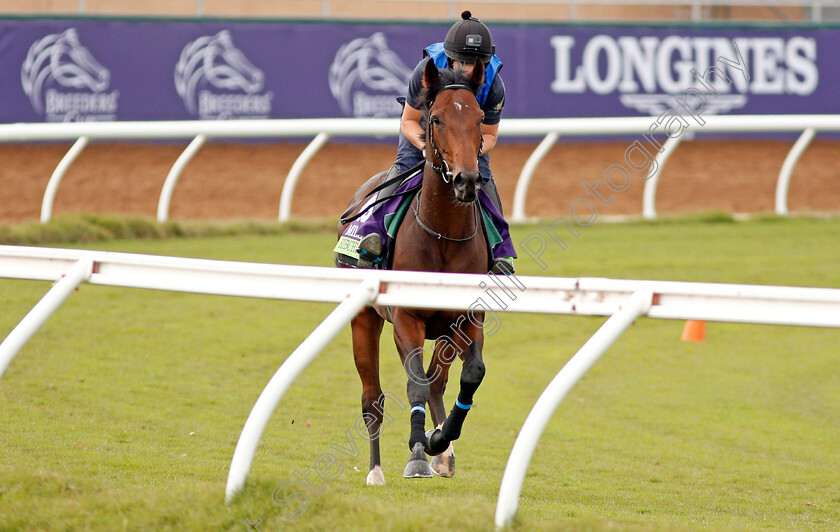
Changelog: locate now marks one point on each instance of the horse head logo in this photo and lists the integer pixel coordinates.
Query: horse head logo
(62, 58)
(216, 60)
(370, 62)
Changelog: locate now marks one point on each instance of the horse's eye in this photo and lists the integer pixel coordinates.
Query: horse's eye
(435, 120)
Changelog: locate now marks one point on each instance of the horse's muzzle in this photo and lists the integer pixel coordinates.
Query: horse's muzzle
(466, 185)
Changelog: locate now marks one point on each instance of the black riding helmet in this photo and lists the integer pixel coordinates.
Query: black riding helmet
(469, 39)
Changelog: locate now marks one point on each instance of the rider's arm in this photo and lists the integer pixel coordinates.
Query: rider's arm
(492, 114)
(489, 134)
(410, 126)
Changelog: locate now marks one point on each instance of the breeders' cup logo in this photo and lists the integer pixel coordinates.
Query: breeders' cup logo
(648, 71)
(366, 77)
(217, 81)
(65, 82)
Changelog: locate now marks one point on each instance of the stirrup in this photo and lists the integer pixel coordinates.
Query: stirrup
(370, 251)
(502, 266)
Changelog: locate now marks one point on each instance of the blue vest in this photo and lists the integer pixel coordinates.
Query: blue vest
(438, 55)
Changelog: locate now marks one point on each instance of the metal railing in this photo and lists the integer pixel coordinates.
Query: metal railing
(622, 300)
(322, 129)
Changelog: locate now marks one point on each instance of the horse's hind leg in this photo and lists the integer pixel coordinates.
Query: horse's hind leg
(367, 327)
(438, 375)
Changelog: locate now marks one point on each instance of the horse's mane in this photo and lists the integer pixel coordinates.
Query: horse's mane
(447, 77)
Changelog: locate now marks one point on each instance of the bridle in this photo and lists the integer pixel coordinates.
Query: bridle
(443, 168)
(444, 171)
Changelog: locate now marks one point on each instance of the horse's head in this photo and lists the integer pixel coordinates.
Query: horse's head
(453, 127)
(73, 65)
(215, 60)
(369, 64)
(227, 67)
(62, 58)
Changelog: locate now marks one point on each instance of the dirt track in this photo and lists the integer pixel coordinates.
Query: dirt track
(237, 181)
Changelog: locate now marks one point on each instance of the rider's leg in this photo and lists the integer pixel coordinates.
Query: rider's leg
(491, 190)
(373, 227)
(503, 254)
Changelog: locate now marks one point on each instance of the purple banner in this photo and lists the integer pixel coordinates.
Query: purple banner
(121, 69)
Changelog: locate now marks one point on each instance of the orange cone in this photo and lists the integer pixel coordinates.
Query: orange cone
(694, 331)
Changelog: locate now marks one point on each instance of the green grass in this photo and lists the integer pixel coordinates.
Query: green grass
(123, 411)
(88, 228)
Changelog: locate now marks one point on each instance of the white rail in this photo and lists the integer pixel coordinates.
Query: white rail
(173, 175)
(39, 314)
(295, 172)
(649, 193)
(783, 183)
(246, 447)
(58, 175)
(526, 442)
(321, 129)
(624, 300)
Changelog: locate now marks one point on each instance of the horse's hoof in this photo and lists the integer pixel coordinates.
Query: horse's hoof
(444, 464)
(375, 477)
(418, 469)
(435, 444)
(418, 466)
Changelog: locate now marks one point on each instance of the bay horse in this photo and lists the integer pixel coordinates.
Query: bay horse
(444, 234)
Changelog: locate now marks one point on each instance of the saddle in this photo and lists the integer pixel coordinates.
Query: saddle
(391, 200)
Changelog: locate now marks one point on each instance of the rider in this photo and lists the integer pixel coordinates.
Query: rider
(467, 41)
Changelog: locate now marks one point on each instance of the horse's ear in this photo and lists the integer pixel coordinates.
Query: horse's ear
(477, 75)
(431, 74)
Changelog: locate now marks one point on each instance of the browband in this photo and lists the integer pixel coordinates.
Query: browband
(455, 86)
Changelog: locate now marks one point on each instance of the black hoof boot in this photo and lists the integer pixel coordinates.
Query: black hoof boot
(418, 466)
(435, 442)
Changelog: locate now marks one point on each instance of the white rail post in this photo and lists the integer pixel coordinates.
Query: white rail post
(816, 11)
(57, 175)
(527, 173)
(649, 195)
(174, 173)
(48, 304)
(696, 12)
(523, 449)
(783, 183)
(268, 400)
(295, 172)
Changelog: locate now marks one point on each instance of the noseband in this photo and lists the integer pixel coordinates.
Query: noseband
(443, 169)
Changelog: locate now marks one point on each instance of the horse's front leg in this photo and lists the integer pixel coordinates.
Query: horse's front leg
(472, 374)
(409, 335)
(446, 350)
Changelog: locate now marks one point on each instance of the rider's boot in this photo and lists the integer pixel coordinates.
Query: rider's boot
(370, 251)
(502, 266)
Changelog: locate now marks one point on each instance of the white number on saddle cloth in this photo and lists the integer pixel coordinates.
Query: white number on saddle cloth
(366, 216)
(349, 240)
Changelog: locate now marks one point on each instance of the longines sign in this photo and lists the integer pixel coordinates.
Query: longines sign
(74, 69)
